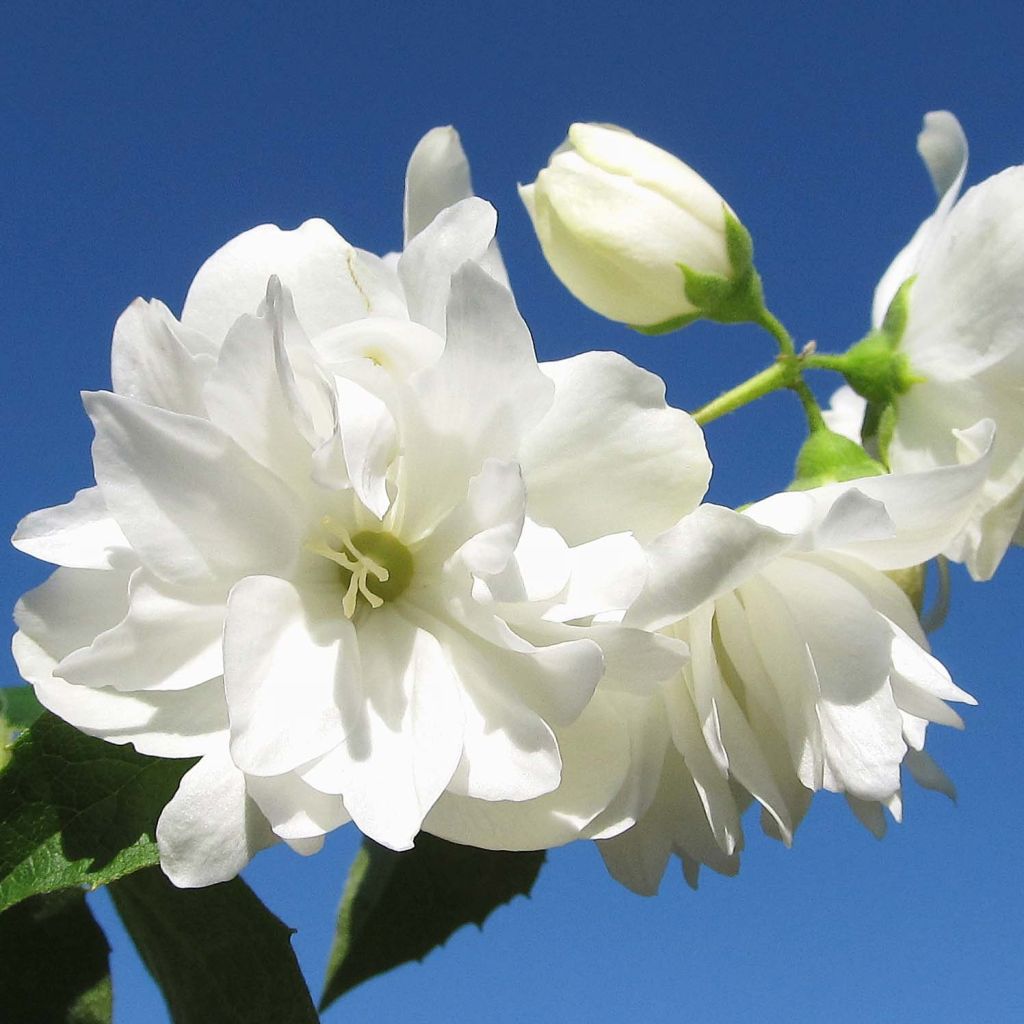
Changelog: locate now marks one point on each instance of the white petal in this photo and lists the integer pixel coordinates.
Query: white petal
(607, 575)
(704, 764)
(81, 534)
(643, 722)
(852, 520)
(192, 503)
(983, 543)
(71, 608)
(849, 644)
(747, 760)
(294, 809)
(248, 399)
(538, 570)
(943, 147)
(884, 595)
(460, 233)
(170, 639)
(306, 847)
(288, 654)
(438, 177)
(845, 413)
(487, 381)
(788, 666)
(823, 517)
(398, 347)
(621, 152)
(66, 613)
(210, 830)
(151, 362)
(928, 436)
(638, 857)
(483, 530)
(509, 751)
(596, 757)
(869, 814)
(555, 679)
(610, 455)
(369, 441)
(928, 508)
(966, 305)
(914, 662)
(927, 773)
(323, 271)
(707, 553)
(675, 823)
(774, 782)
(160, 724)
(401, 757)
(475, 403)
(635, 661)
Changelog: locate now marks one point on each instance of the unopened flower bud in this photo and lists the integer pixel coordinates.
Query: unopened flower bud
(636, 234)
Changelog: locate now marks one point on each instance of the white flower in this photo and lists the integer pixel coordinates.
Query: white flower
(809, 669)
(616, 216)
(964, 337)
(341, 523)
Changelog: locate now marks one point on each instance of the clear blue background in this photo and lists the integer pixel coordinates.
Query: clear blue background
(139, 138)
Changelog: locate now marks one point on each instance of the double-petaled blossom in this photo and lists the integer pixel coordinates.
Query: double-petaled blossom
(809, 669)
(963, 339)
(351, 546)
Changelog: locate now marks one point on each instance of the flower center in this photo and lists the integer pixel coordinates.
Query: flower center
(375, 567)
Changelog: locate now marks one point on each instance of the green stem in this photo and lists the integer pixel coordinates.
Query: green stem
(825, 361)
(811, 408)
(785, 373)
(776, 377)
(775, 328)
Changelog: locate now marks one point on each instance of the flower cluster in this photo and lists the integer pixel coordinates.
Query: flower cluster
(357, 551)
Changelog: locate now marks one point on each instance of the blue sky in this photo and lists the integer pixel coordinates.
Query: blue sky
(137, 143)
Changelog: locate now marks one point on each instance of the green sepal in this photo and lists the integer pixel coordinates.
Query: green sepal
(736, 299)
(874, 367)
(739, 246)
(878, 428)
(827, 457)
(877, 371)
(894, 323)
(675, 323)
(725, 300)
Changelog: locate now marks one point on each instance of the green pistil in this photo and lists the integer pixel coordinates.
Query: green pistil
(375, 567)
(390, 553)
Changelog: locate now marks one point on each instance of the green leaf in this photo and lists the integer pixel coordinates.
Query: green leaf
(218, 954)
(19, 706)
(75, 810)
(55, 962)
(397, 907)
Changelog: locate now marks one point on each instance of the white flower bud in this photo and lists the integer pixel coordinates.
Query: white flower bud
(616, 217)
